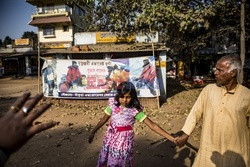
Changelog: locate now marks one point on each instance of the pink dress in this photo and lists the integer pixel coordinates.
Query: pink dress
(118, 142)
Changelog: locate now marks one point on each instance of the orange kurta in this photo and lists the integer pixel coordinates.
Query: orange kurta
(225, 136)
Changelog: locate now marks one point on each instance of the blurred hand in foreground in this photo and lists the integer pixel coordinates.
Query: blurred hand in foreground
(17, 124)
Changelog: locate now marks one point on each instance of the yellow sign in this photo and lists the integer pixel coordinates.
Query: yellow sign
(55, 45)
(160, 64)
(163, 64)
(180, 69)
(111, 37)
(25, 41)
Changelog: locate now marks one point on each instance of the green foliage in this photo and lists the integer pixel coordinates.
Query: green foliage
(29, 34)
(1, 43)
(185, 25)
(32, 36)
(7, 41)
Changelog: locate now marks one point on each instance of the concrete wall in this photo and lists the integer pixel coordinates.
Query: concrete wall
(59, 36)
(85, 38)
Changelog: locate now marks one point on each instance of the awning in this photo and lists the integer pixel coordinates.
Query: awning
(49, 20)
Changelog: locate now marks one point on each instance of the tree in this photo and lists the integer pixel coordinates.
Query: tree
(32, 36)
(181, 23)
(184, 25)
(1, 43)
(7, 41)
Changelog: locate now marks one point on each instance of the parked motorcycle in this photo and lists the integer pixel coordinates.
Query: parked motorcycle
(198, 81)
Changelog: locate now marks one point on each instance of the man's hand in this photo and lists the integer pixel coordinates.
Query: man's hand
(17, 124)
(181, 140)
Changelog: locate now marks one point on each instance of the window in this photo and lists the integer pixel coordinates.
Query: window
(48, 31)
(65, 28)
(77, 10)
(68, 9)
(82, 12)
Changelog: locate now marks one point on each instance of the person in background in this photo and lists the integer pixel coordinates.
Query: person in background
(224, 108)
(118, 142)
(17, 124)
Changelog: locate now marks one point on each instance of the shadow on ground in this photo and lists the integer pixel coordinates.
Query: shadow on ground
(174, 86)
(68, 147)
(164, 153)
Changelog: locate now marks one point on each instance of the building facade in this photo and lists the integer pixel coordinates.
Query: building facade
(58, 20)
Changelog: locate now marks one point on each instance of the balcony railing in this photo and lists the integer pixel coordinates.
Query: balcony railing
(53, 9)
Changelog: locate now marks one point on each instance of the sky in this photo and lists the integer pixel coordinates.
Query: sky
(14, 18)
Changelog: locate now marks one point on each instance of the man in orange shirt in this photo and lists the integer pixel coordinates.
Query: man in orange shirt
(224, 108)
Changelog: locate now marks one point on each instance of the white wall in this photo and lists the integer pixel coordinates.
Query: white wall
(59, 36)
(84, 38)
(161, 74)
(147, 38)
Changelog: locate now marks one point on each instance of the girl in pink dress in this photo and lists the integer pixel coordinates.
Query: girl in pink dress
(118, 142)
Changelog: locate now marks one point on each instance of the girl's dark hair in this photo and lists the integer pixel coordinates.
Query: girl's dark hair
(128, 87)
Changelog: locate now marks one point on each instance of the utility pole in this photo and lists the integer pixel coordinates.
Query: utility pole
(38, 57)
(242, 40)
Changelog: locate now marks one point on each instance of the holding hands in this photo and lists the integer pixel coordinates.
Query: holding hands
(181, 140)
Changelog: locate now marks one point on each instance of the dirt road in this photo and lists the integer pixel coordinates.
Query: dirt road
(66, 144)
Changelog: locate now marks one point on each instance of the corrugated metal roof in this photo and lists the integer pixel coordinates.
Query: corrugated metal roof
(112, 48)
(126, 47)
(98, 49)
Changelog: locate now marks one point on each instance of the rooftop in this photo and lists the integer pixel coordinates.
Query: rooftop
(49, 20)
(96, 49)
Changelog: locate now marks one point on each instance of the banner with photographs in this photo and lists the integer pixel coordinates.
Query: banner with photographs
(98, 79)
